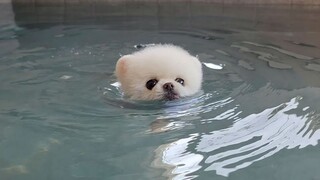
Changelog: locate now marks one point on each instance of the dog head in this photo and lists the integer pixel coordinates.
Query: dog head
(159, 72)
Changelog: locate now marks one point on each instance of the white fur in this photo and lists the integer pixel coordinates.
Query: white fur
(162, 62)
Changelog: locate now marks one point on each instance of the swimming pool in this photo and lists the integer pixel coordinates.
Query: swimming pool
(62, 115)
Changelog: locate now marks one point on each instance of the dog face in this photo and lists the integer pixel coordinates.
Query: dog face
(159, 72)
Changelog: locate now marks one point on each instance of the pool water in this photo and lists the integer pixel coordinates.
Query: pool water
(62, 114)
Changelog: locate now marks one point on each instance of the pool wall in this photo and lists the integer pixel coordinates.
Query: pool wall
(167, 15)
(260, 2)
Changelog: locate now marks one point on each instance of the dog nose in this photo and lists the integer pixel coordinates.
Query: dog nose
(168, 86)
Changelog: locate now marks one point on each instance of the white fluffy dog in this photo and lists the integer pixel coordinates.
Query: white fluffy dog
(159, 72)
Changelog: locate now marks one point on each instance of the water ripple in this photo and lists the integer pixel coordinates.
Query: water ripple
(286, 52)
(250, 139)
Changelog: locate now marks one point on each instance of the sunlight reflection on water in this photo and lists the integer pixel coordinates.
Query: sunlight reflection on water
(250, 139)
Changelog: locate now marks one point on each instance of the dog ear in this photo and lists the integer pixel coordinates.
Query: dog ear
(197, 62)
(121, 67)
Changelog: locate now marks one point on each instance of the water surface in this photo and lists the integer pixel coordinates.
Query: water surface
(62, 115)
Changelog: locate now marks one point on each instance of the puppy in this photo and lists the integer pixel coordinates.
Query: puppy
(159, 72)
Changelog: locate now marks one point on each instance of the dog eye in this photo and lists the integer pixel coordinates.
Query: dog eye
(151, 83)
(181, 81)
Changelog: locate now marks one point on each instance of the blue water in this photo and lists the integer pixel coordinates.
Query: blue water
(62, 114)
